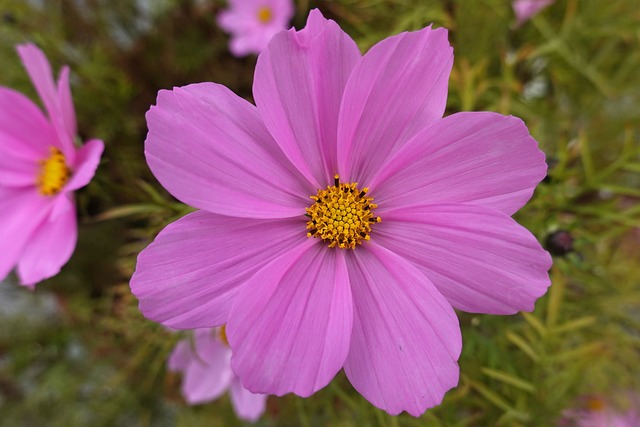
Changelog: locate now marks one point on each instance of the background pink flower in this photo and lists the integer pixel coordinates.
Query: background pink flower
(252, 23)
(297, 309)
(206, 365)
(526, 9)
(40, 167)
(598, 412)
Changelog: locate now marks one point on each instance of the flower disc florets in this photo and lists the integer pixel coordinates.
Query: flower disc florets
(341, 215)
(265, 15)
(54, 173)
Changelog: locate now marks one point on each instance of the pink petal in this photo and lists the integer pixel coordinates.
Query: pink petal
(26, 137)
(39, 71)
(481, 260)
(17, 172)
(248, 33)
(208, 374)
(49, 248)
(180, 356)
(239, 19)
(481, 158)
(25, 133)
(527, 9)
(62, 204)
(230, 21)
(190, 275)
(66, 102)
(21, 212)
(290, 325)
(246, 44)
(248, 406)
(86, 163)
(298, 87)
(406, 338)
(398, 88)
(209, 148)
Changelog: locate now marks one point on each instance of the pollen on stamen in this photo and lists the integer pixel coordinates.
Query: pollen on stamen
(341, 215)
(53, 173)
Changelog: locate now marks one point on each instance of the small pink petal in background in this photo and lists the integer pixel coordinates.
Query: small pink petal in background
(41, 75)
(21, 212)
(248, 406)
(205, 364)
(50, 247)
(252, 23)
(87, 160)
(208, 375)
(527, 9)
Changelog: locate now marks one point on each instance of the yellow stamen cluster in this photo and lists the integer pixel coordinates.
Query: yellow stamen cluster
(265, 15)
(341, 215)
(54, 173)
(222, 334)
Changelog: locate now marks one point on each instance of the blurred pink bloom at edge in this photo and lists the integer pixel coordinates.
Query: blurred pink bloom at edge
(40, 167)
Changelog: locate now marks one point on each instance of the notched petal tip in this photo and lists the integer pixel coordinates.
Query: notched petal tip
(316, 18)
(439, 36)
(315, 26)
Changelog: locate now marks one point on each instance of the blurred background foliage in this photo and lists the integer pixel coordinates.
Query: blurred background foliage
(77, 351)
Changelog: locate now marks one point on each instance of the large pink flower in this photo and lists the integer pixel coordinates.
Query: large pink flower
(206, 365)
(40, 167)
(309, 285)
(252, 23)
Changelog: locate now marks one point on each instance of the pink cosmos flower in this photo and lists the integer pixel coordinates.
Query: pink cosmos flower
(527, 9)
(252, 23)
(205, 363)
(341, 218)
(40, 167)
(597, 412)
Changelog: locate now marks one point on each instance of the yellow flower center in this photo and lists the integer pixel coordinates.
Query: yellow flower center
(54, 173)
(222, 334)
(595, 404)
(265, 15)
(341, 215)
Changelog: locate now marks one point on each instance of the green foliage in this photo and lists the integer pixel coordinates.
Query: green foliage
(570, 74)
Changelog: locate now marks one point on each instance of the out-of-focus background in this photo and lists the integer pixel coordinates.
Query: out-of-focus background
(77, 352)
